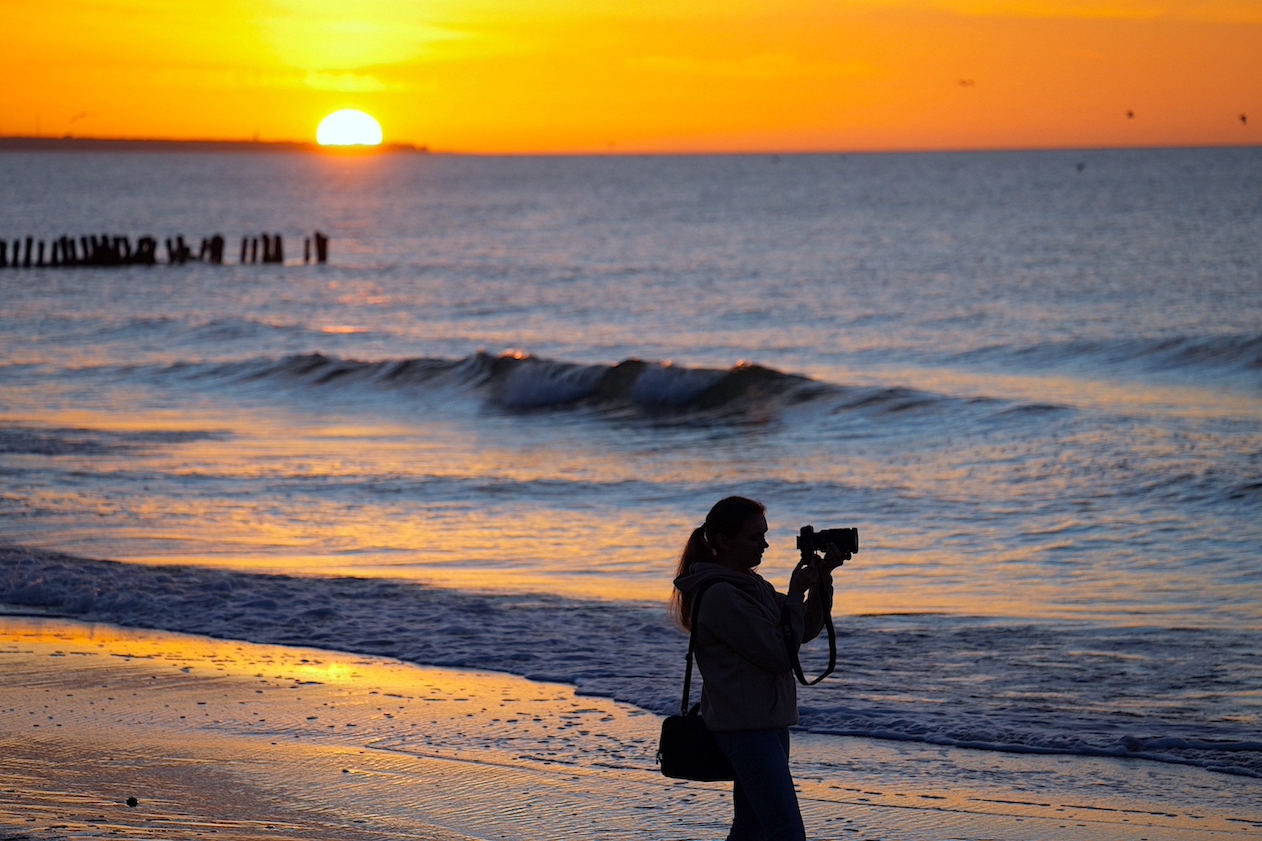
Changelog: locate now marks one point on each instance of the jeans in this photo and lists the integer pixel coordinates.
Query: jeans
(764, 803)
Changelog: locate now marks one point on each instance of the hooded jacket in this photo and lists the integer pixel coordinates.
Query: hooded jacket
(747, 676)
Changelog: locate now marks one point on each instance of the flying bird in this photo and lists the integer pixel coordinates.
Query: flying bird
(1130, 115)
(1244, 119)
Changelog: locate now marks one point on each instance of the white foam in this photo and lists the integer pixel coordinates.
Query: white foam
(939, 680)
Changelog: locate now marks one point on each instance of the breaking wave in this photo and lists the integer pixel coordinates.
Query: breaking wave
(523, 383)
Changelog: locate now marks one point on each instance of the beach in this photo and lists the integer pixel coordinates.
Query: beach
(233, 740)
(455, 465)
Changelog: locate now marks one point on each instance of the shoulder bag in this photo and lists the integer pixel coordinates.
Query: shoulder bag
(687, 750)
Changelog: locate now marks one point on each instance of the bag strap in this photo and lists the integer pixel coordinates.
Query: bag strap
(692, 639)
(787, 630)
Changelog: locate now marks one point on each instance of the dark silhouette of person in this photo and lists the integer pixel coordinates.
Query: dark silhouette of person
(748, 692)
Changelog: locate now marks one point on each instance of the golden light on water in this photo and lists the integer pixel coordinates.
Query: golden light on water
(349, 127)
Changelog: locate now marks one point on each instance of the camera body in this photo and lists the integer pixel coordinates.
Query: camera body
(846, 540)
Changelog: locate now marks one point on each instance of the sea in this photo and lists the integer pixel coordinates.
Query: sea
(479, 435)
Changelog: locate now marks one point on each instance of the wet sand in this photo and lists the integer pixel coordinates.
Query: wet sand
(230, 740)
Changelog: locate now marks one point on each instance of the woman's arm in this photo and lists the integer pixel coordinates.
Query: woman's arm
(819, 601)
(817, 580)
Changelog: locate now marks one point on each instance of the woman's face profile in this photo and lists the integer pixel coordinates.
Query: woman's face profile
(744, 549)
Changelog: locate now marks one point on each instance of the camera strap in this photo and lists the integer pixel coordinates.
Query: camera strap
(826, 597)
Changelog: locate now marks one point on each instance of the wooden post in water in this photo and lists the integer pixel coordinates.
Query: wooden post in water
(254, 249)
(147, 251)
(40, 261)
(4, 254)
(279, 249)
(306, 250)
(322, 247)
(26, 261)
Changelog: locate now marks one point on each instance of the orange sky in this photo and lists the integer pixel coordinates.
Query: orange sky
(642, 75)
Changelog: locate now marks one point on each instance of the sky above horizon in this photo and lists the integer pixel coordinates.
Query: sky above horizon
(492, 76)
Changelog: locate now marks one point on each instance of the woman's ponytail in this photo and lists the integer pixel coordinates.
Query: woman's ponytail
(696, 550)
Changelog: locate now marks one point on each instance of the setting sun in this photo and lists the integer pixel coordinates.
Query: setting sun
(489, 76)
(349, 127)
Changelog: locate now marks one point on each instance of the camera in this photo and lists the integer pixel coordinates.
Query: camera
(846, 540)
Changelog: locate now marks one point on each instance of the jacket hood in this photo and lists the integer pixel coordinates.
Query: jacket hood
(703, 574)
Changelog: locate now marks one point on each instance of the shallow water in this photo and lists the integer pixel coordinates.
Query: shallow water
(1036, 391)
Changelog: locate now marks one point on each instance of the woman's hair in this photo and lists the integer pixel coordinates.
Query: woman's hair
(727, 517)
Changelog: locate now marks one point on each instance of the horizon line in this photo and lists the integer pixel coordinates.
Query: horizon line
(17, 143)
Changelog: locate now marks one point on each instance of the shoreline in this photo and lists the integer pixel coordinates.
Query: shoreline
(250, 741)
(880, 694)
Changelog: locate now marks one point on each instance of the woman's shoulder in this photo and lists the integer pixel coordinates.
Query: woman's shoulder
(719, 585)
(720, 591)
(754, 593)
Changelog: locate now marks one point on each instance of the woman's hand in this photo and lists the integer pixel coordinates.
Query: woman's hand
(833, 558)
(805, 577)
(817, 576)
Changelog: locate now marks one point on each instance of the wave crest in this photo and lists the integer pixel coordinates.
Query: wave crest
(521, 382)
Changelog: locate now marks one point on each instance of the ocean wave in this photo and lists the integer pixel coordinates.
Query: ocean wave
(660, 390)
(523, 382)
(54, 441)
(177, 331)
(944, 680)
(1232, 354)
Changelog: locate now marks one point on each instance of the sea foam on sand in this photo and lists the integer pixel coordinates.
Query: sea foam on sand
(240, 741)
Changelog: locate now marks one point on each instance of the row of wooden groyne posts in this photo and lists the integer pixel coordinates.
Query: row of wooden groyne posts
(107, 250)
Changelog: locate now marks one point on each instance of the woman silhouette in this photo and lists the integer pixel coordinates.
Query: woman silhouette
(748, 695)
